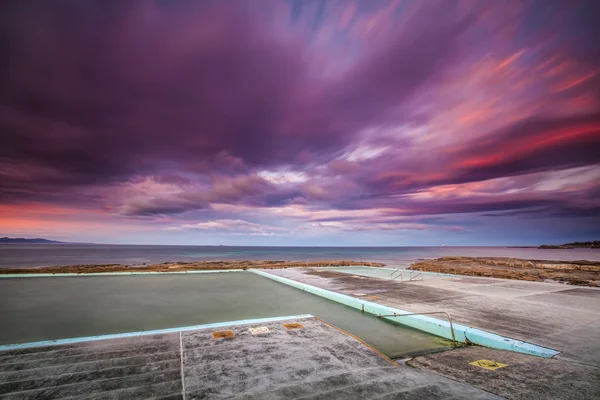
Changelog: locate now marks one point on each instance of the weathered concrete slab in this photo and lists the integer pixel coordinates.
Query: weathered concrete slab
(142, 367)
(561, 317)
(525, 377)
(579, 343)
(316, 361)
(312, 361)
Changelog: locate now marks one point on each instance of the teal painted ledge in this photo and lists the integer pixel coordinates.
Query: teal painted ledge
(44, 343)
(438, 327)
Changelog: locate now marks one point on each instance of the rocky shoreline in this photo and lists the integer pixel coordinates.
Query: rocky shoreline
(583, 273)
(186, 266)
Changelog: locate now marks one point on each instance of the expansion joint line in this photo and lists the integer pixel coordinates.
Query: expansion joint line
(181, 365)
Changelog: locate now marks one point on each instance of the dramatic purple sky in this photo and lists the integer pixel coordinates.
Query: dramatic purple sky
(410, 122)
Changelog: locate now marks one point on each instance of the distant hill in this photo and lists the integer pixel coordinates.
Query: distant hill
(575, 245)
(24, 240)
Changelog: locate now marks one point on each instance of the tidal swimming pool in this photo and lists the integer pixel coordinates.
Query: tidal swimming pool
(36, 309)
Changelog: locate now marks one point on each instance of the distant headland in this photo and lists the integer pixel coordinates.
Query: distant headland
(595, 244)
(24, 240)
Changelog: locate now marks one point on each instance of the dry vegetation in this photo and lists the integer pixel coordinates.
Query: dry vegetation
(184, 266)
(584, 273)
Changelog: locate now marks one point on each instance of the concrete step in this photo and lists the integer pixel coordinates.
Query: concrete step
(17, 362)
(86, 366)
(94, 346)
(99, 386)
(60, 353)
(136, 367)
(17, 385)
(160, 391)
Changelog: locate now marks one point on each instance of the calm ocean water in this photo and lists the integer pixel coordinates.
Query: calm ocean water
(40, 255)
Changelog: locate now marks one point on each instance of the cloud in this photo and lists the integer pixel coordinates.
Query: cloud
(231, 225)
(362, 116)
(533, 145)
(149, 197)
(357, 227)
(114, 92)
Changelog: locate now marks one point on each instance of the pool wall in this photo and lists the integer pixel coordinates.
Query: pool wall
(152, 332)
(58, 275)
(438, 327)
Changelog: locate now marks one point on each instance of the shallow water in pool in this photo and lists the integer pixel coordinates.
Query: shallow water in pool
(34, 309)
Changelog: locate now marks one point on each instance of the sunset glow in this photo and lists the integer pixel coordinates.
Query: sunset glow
(300, 122)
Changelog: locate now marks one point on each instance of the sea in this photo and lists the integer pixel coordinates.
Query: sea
(44, 255)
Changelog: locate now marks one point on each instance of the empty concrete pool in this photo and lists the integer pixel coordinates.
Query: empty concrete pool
(48, 308)
(400, 275)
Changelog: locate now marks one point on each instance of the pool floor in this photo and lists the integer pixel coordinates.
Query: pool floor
(35, 309)
(388, 273)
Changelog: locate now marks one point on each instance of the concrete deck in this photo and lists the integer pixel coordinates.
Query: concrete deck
(561, 317)
(316, 361)
(565, 318)
(554, 379)
(143, 367)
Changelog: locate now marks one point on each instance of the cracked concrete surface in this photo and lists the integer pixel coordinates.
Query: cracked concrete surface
(558, 316)
(316, 361)
(562, 317)
(554, 379)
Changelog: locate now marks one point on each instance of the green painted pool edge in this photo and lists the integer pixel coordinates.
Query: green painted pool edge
(44, 343)
(438, 327)
(59, 275)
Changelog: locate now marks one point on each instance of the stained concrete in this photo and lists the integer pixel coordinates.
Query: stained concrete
(316, 361)
(553, 379)
(558, 316)
(142, 367)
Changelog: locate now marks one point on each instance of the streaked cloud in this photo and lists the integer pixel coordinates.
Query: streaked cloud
(236, 226)
(309, 118)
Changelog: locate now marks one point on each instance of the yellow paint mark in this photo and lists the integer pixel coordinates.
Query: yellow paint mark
(223, 334)
(488, 364)
(372, 297)
(293, 325)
